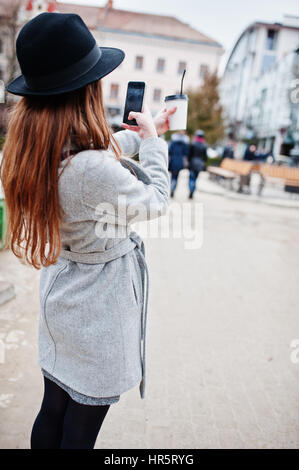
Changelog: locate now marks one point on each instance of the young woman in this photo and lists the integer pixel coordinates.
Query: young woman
(71, 199)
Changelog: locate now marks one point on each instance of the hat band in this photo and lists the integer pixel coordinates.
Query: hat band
(67, 75)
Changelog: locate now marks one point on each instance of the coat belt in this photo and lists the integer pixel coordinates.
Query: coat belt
(133, 241)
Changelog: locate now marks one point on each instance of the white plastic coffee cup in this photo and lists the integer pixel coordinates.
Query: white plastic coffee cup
(178, 120)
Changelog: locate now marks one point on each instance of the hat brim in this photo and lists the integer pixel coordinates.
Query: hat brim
(111, 58)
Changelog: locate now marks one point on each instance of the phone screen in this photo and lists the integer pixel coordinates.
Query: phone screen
(134, 100)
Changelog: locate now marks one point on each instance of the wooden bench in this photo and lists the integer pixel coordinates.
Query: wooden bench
(292, 186)
(231, 169)
(289, 177)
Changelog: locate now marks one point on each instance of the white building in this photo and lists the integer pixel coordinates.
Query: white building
(157, 49)
(258, 85)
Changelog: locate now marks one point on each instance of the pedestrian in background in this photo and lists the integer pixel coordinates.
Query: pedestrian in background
(250, 153)
(228, 151)
(197, 159)
(178, 153)
(262, 155)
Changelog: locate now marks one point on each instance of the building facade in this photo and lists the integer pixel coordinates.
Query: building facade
(158, 49)
(258, 87)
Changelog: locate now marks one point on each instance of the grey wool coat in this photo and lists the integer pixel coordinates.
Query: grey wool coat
(93, 300)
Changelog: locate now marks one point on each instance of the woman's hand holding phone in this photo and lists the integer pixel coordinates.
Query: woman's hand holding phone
(147, 125)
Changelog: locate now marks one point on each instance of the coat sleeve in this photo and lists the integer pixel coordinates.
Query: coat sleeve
(170, 149)
(186, 150)
(129, 142)
(111, 192)
(190, 152)
(205, 157)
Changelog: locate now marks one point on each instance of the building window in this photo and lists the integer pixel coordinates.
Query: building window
(181, 67)
(268, 61)
(113, 111)
(203, 70)
(114, 88)
(157, 95)
(271, 39)
(160, 65)
(139, 62)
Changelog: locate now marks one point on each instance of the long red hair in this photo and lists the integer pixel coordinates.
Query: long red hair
(38, 129)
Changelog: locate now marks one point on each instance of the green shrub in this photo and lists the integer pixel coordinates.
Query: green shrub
(214, 161)
(2, 139)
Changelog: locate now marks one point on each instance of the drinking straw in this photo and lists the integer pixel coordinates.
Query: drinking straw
(182, 81)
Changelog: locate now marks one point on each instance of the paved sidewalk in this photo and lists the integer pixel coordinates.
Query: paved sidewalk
(273, 194)
(221, 321)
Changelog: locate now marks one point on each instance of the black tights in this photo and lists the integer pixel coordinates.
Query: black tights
(62, 423)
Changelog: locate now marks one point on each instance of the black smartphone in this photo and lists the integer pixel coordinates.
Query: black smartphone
(134, 101)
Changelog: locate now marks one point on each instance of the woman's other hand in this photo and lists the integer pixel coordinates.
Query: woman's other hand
(161, 120)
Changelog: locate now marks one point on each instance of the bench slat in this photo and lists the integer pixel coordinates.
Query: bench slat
(282, 172)
(230, 168)
(221, 172)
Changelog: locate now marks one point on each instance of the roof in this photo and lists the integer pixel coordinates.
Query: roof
(134, 22)
(254, 25)
(89, 14)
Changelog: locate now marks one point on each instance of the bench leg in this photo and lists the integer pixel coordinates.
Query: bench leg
(244, 180)
(241, 184)
(261, 186)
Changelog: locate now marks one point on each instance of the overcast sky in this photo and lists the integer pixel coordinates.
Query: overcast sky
(223, 20)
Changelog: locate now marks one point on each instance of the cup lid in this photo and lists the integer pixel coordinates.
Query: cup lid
(176, 97)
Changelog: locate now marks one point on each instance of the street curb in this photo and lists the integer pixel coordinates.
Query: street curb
(205, 186)
(7, 292)
(251, 198)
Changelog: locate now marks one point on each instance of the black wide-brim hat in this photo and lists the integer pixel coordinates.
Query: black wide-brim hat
(58, 54)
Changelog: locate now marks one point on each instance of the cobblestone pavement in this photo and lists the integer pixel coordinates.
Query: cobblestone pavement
(221, 321)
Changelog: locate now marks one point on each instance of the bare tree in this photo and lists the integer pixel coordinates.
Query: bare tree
(9, 25)
(11, 19)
